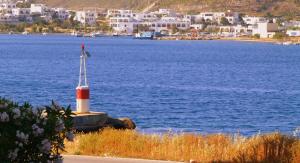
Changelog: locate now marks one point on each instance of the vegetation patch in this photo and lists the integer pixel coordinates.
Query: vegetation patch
(29, 134)
(273, 147)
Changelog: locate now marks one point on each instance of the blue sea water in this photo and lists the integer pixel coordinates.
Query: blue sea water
(190, 86)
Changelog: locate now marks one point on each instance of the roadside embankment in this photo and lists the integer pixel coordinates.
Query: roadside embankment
(273, 147)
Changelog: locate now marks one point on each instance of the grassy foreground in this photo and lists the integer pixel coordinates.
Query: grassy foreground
(272, 147)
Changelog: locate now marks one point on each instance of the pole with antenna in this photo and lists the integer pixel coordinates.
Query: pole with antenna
(83, 90)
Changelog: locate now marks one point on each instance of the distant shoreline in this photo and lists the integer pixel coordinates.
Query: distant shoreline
(240, 39)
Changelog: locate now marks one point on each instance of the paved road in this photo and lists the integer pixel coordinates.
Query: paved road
(91, 159)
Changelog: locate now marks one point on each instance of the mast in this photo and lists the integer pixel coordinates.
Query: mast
(82, 72)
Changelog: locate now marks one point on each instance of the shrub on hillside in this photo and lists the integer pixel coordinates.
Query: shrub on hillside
(257, 36)
(279, 35)
(29, 134)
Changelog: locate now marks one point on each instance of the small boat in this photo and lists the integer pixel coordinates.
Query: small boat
(25, 33)
(97, 34)
(115, 34)
(144, 36)
(297, 43)
(44, 33)
(77, 34)
(287, 43)
(11, 32)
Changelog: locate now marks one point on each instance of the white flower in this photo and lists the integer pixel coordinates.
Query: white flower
(19, 144)
(59, 126)
(37, 130)
(4, 117)
(23, 137)
(13, 154)
(44, 114)
(17, 113)
(70, 136)
(46, 146)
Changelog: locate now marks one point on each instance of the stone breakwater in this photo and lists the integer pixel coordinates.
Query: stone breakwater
(95, 121)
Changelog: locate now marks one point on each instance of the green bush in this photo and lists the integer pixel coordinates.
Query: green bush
(257, 36)
(29, 134)
(279, 35)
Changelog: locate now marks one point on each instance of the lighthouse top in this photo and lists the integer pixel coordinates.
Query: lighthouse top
(82, 73)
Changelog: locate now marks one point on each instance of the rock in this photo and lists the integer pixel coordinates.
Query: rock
(94, 121)
(129, 124)
(122, 123)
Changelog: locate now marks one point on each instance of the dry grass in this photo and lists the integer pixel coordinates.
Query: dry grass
(184, 147)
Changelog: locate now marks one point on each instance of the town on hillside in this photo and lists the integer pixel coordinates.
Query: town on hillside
(24, 16)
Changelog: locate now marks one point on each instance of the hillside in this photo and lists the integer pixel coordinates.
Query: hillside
(257, 7)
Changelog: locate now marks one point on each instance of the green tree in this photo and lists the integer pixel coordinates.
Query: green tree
(279, 35)
(257, 36)
(224, 21)
(20, 27)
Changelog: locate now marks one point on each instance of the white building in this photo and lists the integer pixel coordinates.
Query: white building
(252, 20)
(293, 33)
(145, 17)
(40, 9)
(119, 13)
(212, 16)
(232, 17)
(7, 7)
(167, 23)
(265, 29)
(197, 26)
(21, 12)
(122, 24)
(234, 30)
(61, 13)
(8, 19)
(86, 17)
(166, 12)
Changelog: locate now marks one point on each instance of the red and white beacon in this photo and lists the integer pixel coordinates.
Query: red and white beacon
(83, 90)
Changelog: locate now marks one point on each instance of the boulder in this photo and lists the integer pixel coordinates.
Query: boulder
(121, 123)
(94, 121)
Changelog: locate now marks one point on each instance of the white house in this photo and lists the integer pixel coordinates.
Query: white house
(166, 12)
(197, 26)
(86, 17)
(145, 17)
(21, 12)
(234, 30)
(265, 29)
(167, 23)
(7, 7)
(212, 16)
(252, 20)
(61, 13)
(293, 33)
(8, 19)
(119, 13)
(122, 24)
(232, 17)
(40, 9)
